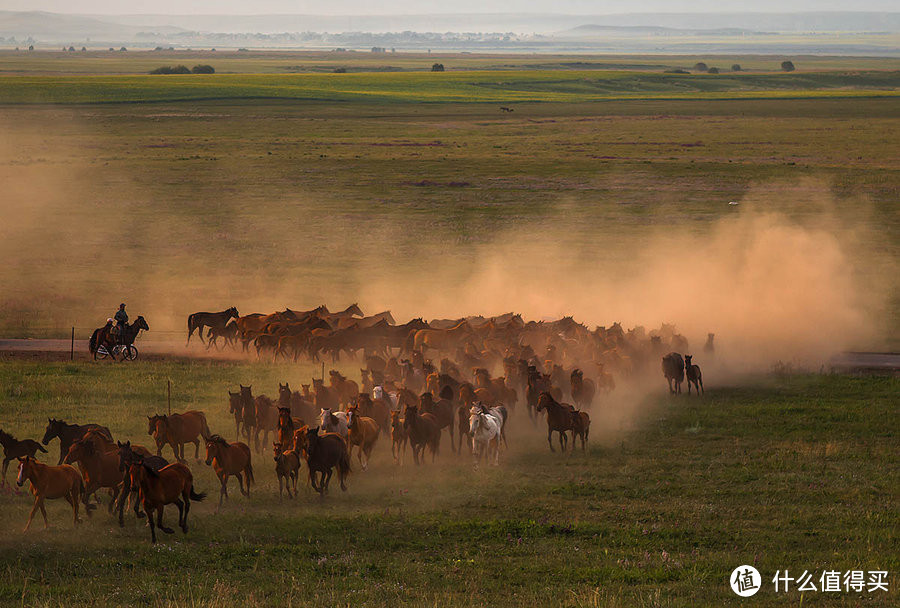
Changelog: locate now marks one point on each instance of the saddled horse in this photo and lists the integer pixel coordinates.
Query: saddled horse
(103, 336)
(213, 320)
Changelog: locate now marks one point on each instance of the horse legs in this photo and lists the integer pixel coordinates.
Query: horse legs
(159, 521)
(196, 449)
(149, 512)
(241, 484)
(120, 504)
(326, 479)
(223, 492)
(181, 523)
(37, 503)
(187, 509)
(550, 438)
(563, 441)
(113, 496)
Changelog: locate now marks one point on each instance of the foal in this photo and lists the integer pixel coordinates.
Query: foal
(287, 468)
(692, 372)
(13, 448)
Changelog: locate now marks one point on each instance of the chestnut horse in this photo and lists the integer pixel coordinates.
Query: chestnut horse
(13, 448)
(213, 320)
(229, 459)
(99, 464)
(423, 430)
(178, 429)
(323, 453)
(362, 432)
(171, 484)
(62, 481)
(693, 375)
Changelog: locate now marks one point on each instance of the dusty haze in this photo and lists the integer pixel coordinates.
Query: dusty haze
(77, 240)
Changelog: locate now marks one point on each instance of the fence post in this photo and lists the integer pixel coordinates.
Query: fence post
(72, 351)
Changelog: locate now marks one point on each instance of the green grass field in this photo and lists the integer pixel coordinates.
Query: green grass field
(797, 472)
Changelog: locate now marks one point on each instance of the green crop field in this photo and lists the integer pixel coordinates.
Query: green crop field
(785, 472)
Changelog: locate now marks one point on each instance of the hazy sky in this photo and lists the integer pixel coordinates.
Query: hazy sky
(388, 7)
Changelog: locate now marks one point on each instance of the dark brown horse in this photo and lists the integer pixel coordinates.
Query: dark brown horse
(171, 484)
(423, 430)
(127, 453)
(442, 410)
(693, 375)
(673, 370)
(562, 417)
(104, 337)
(14, 448)
(324, 453)
(68, 434)
(217, 320)
(582, 390)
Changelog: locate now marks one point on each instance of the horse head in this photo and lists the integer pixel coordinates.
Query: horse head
(54, 426)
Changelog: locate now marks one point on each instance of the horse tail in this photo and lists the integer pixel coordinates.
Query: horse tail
(191, 328)
(196, 497)
(92, 344)
(249, 471)
(41, 448)
(344, 463)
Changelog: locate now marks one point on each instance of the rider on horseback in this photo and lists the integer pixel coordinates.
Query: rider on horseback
(121, 321)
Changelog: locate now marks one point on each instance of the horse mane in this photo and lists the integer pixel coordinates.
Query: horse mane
(218, 439)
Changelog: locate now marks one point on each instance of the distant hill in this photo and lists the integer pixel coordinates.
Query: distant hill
(592, 30)
(55, 27)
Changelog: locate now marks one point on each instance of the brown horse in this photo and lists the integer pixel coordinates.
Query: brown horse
(673, 370)
(236, 409)
(127, 453)
(266, 420)
(442, 410)
(362, 432)
(62, 481)
(324, 453)
(398, 437)
(14, 448)
(582, 390)
(378, 410)
(562, 417)
(229, 459)
(178, 429)
(423, 430)
(171, 484)
(99, 464)
(346, 389)
(441, 339)
(213, 320)
(284, 434)
(287, 467)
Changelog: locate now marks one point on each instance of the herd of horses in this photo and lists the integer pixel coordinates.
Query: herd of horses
(401, 395)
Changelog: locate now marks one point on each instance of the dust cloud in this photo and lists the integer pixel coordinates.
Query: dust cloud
(772, 285)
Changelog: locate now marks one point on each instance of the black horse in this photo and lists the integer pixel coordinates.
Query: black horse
(103, 337)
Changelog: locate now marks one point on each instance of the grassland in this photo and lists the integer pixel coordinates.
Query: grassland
(797, 472)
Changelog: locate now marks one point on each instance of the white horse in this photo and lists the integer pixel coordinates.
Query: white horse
(486, 430)
(334, 422)
(392, 399)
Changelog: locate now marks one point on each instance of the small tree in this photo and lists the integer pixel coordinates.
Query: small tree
(712, 70)
(71, 49)
(83, 49)
(340, 70)
(736, 67)
(787, 66)
(700, 67)
(203, 69)
(123, 49)
(437, 67)
(30, 47)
